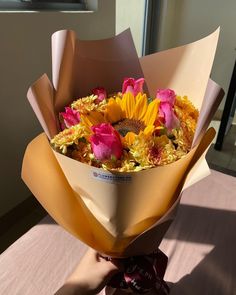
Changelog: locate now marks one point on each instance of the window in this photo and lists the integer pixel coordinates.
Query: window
(42, 5)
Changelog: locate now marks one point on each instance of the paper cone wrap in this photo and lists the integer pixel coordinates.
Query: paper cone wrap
(118, 214)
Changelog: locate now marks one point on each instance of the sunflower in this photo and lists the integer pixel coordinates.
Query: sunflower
(128, 114)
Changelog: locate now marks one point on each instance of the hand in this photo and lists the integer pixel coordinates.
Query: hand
(90, 276)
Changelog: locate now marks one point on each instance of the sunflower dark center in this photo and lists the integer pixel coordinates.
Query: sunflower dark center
(129, 125)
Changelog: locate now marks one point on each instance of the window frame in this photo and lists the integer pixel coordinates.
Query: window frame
(36, 5)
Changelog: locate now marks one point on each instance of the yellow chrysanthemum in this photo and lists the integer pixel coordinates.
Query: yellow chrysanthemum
(188, 116)
(126, 164)
(87, 104)
(184, 108)
(70, 136)
(82, 152)
(164, 151)
(140, 149)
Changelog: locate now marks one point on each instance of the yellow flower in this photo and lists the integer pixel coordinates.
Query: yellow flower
(87, 104)
(140, 149)
(128, 114)
(188, 116)
(184, 108)
(70, 136)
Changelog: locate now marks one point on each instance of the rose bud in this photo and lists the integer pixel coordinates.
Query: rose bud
(133, 86)
(70, 117)
(166, 108)
(101, 94)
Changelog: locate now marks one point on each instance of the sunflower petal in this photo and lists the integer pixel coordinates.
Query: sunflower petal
(119, 101)
(149, 130)
(93, 118)
(129, 138)
(113, 112)
(128, 104)
(98, 117)
(151, 113)
(140, 106)
(86, 120)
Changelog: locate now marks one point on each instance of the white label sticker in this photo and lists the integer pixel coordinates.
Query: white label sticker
(111, 178)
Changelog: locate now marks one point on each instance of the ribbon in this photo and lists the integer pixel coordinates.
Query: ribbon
(142, 274)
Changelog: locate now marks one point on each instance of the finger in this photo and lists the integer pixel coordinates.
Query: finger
(118, 263)
(115, 261)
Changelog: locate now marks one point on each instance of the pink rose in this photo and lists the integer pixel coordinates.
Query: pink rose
(106, 142)
(166, 108)
(133, 86)
(166, 111)
(70, 117)
(166, 95)
(101, 94)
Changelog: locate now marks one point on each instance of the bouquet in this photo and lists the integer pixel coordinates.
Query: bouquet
(127, 131)
(120, 160)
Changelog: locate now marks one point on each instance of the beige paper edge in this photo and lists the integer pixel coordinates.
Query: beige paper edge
(186, 69)
(40, 97)
(211, 101)
(79, 66)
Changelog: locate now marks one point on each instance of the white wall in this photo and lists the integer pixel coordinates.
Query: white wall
(24, 56)
(184, 21)
(130, 14)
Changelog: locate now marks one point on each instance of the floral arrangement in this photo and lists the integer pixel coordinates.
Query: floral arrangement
(127, 131)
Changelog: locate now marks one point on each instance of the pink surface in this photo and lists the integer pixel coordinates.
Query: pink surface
(200, 244)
